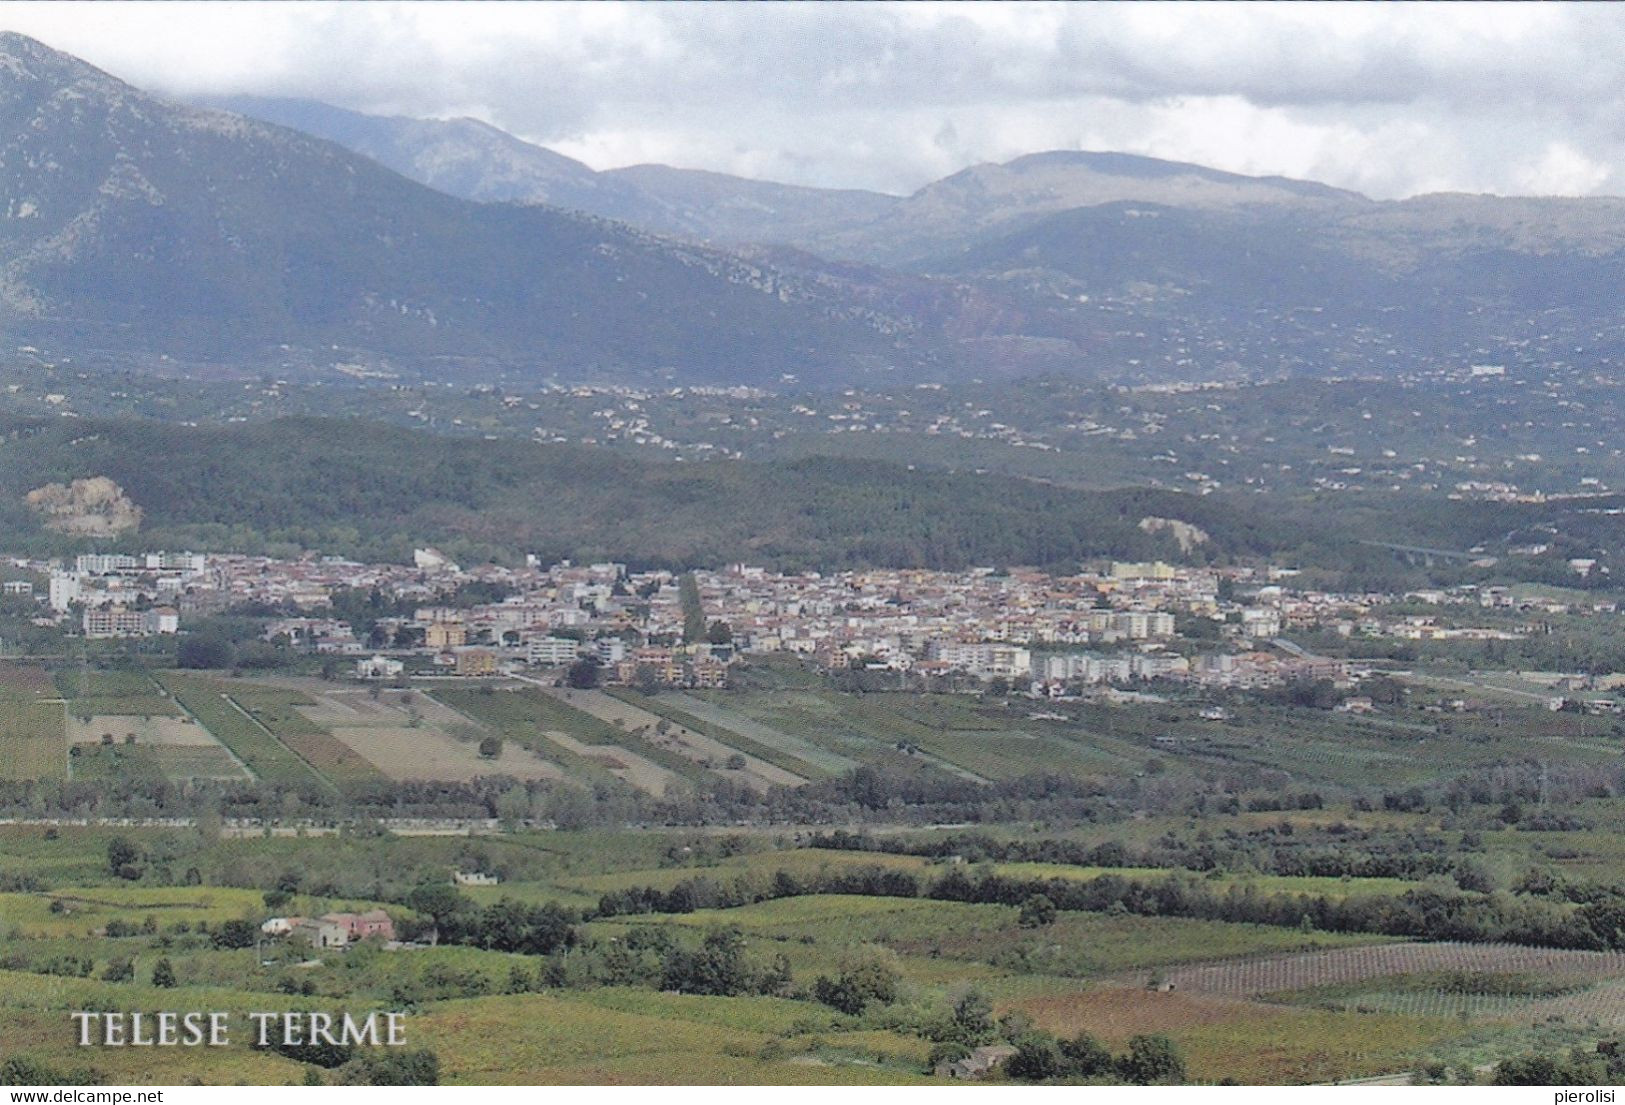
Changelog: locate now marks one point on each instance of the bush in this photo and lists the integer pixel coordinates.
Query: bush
(871, 982)
(418, 1067)
(1037, 911)
(1152, 1059)
(1086, 1056)
(1037, 1058)
(235, 934)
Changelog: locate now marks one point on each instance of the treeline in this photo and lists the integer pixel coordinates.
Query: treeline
(864, 794)
(1326, 852)
(1424, 912)
(503, 926)
(1492, 797)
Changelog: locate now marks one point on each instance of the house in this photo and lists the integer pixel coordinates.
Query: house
(977, 1064)
(359, 926)
(474, 878)
(476, 662)
(445, 635)
(321, 932)
(379, 667)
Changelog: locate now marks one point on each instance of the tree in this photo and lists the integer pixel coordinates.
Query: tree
(1036, 912)
(719, 633)
(22, 1071)
(163, 974)
(717, 968)
(417, 1067)
(973, 1017)
(871, 981)
(204, 651)
(1152, 1059)
(1473, 875)
(236, 933)
(491, 747)
(1086, 1057)
(1037, 1058)
(439, 901)
(122, 854)
(584, 674)
(647, 680)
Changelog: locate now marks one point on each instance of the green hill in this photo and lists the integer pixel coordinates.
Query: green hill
(369, 489)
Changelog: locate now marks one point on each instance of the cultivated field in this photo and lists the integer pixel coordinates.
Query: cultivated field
(408, 735)
(257, 748)
(146, 729)
(33, 731)
(706, 751)
(719, 713)
(428, 753)
(280, 711)
(623, 765)
(91, 691)
(586, 747)
(1243, 1041)
(173, 762)
(1282, 974)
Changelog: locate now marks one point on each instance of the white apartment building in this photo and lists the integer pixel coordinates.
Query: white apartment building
(985, 661)
(551, 651)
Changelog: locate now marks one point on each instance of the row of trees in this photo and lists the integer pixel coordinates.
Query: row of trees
(1423, 912)
(1330, 852)
(1150, 1060)
(504, 926)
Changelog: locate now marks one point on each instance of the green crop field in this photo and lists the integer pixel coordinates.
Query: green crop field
(276, 709)
(33, 727)
(511, 716)
(663, 706)
(947, 731)
(91, 691)
(207, 700)
(525, 714)
(117, 761)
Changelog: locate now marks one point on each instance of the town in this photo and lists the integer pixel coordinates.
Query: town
(1116, 624)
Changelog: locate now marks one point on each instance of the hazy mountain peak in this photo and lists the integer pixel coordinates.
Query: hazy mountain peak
(24, 59)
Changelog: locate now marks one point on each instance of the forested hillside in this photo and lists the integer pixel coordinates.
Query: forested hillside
(366, 488)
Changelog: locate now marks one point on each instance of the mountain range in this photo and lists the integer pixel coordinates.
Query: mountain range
(137, 227)
(248, 234)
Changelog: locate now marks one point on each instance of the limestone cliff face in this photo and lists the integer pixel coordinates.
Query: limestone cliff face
(96, 507)
(1187, 535)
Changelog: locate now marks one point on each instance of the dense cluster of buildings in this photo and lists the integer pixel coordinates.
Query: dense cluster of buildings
(1122, 623)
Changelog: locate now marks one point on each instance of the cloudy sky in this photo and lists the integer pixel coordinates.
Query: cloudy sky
(1391, 100)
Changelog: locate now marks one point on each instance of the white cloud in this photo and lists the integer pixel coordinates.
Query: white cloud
(1561, 170)
(1387, 99)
